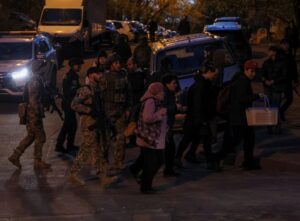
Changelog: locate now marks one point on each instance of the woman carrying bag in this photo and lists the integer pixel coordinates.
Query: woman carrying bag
(151, 133)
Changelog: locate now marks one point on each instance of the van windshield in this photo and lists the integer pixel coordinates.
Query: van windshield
(62, 17)
(15, 51)
(187, 59)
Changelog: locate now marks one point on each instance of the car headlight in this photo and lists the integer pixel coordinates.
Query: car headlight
(23, 73)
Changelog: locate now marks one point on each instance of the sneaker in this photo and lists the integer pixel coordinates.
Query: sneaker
(75, 179)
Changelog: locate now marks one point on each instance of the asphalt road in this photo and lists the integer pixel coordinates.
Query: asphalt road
(271, 194)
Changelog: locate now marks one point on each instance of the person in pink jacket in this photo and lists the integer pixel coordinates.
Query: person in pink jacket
(151, 134)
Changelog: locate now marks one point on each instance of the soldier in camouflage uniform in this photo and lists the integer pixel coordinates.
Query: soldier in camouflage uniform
(33, 95)
(89, 104)
(117, 103)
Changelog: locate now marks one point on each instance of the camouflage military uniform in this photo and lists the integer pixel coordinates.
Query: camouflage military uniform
(84, 104)
(34, 123)
(117, 101)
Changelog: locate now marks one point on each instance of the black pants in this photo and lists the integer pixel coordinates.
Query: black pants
(195, 140)
(152, 160)
(240, 133)
(193, 148)
(169, 153)
(137, 166)
(228, 144)
(68, 129)
(289, 96)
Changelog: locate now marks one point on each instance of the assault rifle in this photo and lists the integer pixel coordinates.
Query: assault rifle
(50, 97)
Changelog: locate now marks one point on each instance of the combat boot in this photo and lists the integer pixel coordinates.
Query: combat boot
(41, 165)
(106, 181)
(75, 179)
(15, 159)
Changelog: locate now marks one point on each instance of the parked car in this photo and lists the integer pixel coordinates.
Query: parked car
(123, 28)
(236, 20)
(139, 30)
(18, 50)
(185, 55)
(235, 34)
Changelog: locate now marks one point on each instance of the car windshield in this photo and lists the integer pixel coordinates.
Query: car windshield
(15, 51)
(187, 59)
(61, 17)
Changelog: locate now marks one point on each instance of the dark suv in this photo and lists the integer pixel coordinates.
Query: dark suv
(235, 34)
(18, 50)
(185, 54)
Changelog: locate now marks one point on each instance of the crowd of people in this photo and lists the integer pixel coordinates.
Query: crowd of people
(120, 104)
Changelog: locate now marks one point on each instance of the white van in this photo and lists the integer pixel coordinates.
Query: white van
(72, 20)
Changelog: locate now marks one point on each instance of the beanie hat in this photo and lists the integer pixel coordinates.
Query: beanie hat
(250, 64)
(156, 88)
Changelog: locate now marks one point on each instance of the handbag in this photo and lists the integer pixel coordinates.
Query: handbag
(262, 116)
(148, 132)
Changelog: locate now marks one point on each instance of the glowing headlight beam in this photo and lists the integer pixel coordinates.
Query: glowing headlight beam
(23, 73)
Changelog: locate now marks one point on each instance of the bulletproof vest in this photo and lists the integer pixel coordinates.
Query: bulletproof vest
(42, 92)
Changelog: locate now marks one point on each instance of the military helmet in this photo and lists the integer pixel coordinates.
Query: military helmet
(74, 61)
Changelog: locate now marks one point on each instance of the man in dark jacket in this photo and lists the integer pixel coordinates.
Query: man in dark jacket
(241, 97)
(137, 79)
(142, 54)
(200, 112)
(123, 49)
(152, 29)
(70, 85)
(274, 79)
(184, 26)
(291, 78)
(170, 83)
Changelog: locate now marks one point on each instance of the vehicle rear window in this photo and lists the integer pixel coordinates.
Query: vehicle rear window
(15, 51)
(61, 17)
(187, 59)
(232, 36)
